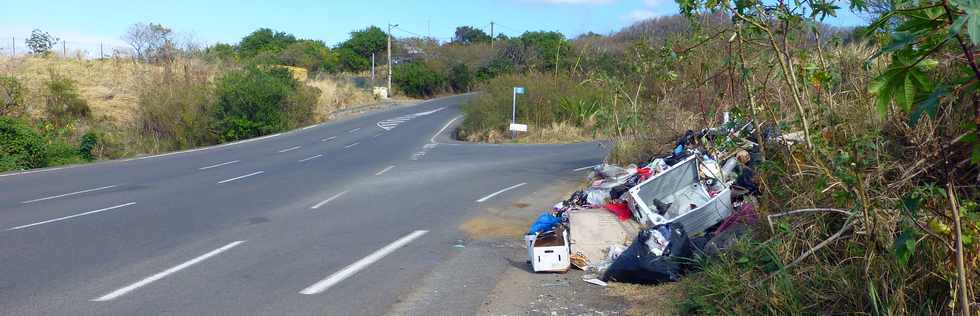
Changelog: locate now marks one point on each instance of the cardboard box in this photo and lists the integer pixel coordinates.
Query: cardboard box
(549, 252)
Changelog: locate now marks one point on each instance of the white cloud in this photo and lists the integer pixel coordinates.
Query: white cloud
(653, 3)
(640, 15)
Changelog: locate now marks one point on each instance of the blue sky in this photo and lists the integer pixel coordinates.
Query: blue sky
(209, 21)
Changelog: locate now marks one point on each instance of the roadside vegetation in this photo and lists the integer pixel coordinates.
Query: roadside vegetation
(887, 170)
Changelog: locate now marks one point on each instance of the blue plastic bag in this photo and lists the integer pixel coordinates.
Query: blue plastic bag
(544, 223)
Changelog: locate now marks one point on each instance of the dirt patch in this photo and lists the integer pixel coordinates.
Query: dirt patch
(493, 227)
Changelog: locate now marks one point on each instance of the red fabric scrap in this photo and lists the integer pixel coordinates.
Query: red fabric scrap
(620, 209)
(644, 172)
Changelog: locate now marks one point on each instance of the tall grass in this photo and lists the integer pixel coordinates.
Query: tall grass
(175, 108)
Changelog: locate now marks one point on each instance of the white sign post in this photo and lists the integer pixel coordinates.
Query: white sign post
(514, 127)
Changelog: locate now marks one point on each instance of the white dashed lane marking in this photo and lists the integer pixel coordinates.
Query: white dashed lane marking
(68, 194)
(485, 198)
(71, 216)
(310, 158)
(356, 267)
(338, 195)
(241, 177)
(218, 165)
(156, 277)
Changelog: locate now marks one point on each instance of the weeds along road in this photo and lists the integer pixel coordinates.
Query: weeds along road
(334, 219)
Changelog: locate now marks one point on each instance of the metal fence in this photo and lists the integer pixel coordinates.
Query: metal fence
(11, 46)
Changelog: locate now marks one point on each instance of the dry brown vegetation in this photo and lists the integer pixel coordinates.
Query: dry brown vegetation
(131, 102)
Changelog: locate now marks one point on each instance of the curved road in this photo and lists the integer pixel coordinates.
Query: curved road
(334, 219)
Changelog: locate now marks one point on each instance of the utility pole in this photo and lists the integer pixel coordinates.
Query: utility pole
(372, 69)
(64, 49)
(389, 57)
(13, 47)
(491, 34)
(101, 53)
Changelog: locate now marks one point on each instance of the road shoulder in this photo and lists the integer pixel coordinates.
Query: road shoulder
(488, 274)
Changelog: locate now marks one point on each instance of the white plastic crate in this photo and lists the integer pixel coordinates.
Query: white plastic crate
(680, 186)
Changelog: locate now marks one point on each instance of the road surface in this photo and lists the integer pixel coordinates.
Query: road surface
(339, 218)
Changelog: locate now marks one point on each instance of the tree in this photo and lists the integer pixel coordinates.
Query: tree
(150, 42)
(308, 54)
(418, 80)
(349, 60)
(469, 35)
(460, 78)
(221, 52)
(548, 45)
(40, 42)
(264, 40)
(367, 41)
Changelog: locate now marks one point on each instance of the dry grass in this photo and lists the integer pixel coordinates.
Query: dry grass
(338, 95)
(556, 133)
(112, 86)
(649, 300)
(109, 86)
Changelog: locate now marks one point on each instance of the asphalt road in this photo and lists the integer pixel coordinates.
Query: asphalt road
(340, 218)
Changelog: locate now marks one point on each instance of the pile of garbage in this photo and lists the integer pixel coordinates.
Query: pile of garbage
(644, 223)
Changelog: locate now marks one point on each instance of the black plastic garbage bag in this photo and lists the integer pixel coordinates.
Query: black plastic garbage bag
(639, 265)
(618, 191)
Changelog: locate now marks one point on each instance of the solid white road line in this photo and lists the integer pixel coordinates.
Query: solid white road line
(351, 145)
(584, 168)
(71, 216)
(241, 177)
(311, 158)
(385, 170)
(328, 139)
(318, 205)
(36, 171)
(156, 277)
(354, 130)
(290, 149)
(67, 194)
(433, 139)
(311, 126)
(218, 165)
(501, 191)
(356, 267)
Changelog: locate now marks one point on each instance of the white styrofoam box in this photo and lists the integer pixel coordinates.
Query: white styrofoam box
(551, 258)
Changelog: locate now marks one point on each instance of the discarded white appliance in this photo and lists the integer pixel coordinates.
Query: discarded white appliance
(549, 252)
(678, 196)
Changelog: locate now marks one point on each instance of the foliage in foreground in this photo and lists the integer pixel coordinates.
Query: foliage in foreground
(888, 130)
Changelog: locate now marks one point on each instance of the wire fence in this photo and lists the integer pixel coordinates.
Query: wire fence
(13, 46)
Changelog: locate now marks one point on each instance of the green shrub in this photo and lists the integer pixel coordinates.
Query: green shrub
(545, 101)
(21, 147)
(258, 101)
(62, 101)
(89, 141)
(11, 96)
(460, 78)
(418, 80)
(60, 153)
